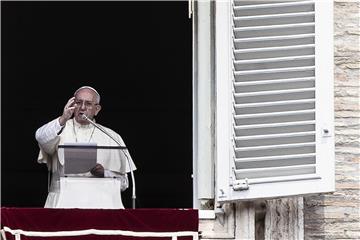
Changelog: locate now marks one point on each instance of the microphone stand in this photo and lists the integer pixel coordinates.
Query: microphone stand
(127, 158)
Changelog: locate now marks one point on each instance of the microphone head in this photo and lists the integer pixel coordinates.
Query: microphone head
(83, 116)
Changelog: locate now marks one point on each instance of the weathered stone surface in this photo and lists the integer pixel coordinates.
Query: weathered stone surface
(346, 114)
(284, 219)
(349, 141)
(245, 224)
(346, 92)
(342, 124)
(346, 14)
(345, 77)
(348, 99)
(347, 150)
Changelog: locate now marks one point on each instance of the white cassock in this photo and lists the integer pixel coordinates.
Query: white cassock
(115, 163)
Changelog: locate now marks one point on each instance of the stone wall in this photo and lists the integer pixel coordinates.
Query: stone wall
(337, 215)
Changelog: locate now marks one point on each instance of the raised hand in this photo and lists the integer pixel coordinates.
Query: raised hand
(68, 111)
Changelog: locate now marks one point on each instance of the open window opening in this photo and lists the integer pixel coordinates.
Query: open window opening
(138, 55)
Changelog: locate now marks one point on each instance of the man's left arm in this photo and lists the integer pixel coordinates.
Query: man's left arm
(123, 178)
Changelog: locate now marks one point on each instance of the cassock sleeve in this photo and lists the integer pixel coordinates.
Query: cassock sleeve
(127, 157)
(48, 138)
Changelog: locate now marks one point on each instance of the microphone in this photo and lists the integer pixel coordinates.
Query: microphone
(84, 117)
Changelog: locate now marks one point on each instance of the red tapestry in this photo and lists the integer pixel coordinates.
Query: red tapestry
(137, 220)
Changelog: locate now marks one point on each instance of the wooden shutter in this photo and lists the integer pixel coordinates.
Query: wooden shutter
(280, 123)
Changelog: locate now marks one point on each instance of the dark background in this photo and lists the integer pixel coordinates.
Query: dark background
(136, 54)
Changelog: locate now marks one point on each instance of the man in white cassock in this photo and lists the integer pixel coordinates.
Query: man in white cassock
(72, 127)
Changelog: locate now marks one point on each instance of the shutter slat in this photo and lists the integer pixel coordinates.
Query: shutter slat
(268, 9)
(275, 70)
(274, 86)
(248, 94)
(276, 171)
(274, 128)
(278, 140)
(273, 114)
(300, 159)
(274, 30)
(274, 41)
(273, 5)
(274, 52)
(270, 150)
(268, 82)
(273, 27)
(275, 64)
(273, 19)
(273, 147)
(257, 159)
(275, 59)
(285, 124)
(270, 16)
(265, 49)
(281, 135)
(279, 103)
(272, 38)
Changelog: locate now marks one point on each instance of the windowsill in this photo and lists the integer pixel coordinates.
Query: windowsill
(206, 214)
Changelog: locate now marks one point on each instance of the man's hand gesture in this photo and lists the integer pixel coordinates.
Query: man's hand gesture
(68, 111)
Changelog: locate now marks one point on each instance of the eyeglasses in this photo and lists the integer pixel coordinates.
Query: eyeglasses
(88, 104)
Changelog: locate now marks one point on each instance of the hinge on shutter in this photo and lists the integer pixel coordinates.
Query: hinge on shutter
(241, 185)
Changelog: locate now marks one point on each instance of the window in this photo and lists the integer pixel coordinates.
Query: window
(274, 99)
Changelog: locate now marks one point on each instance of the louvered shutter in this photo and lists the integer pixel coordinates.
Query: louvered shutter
(278, 99)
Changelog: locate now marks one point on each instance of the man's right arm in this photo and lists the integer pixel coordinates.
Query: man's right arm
(47, 135)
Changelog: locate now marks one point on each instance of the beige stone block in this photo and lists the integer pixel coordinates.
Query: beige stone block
(346, 77)
(347, 158)
(350, 182)
(347, 114)
(313, 201)
(346, 195)
(345, 60)
(346, 92)
(341, 202)
(347, 150)
(346, 168)
(343, 6)
(347, 183)
(350, 141)
(347, 123)
(337, 2)
(346, 15)
(353, 186)
(347, 105)
(353, 65)
(348, 213)
(348, 131)
(352, 234)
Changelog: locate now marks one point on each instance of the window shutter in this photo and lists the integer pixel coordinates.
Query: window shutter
(276, 90)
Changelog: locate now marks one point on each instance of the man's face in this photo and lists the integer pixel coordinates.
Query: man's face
(85, 103)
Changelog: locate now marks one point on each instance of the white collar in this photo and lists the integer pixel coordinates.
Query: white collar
(85, 126)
